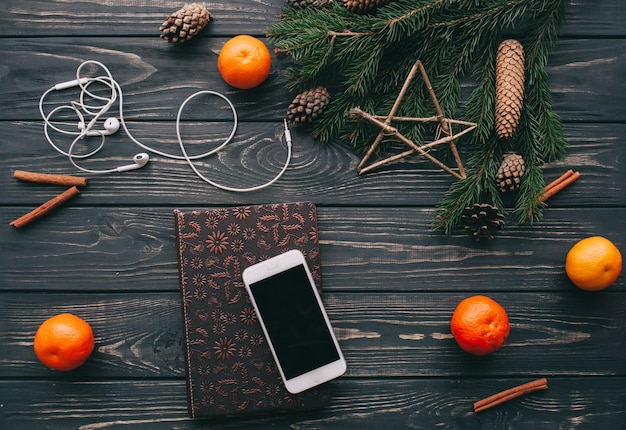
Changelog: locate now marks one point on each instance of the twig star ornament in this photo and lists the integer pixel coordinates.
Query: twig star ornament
(387, 130)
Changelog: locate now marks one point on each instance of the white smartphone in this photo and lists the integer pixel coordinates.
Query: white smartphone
(294, 321)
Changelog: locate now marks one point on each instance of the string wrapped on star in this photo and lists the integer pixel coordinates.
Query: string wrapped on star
(444, 134)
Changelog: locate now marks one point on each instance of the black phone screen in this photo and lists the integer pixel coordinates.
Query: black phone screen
(294, 322)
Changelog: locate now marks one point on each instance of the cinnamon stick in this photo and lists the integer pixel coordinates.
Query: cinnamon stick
(511, 393)
(46, 178)
(560, 179)
(45, 208)
(558, 184)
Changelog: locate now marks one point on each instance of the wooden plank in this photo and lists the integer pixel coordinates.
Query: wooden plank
(136, 18)
(255, 156)
(594, 17)
(325, 174)
(363, 249)
(577, 71)
(154, 78)
(143, 17)
(363, 404)
(390, 282)
(585, 75)
(383, 335)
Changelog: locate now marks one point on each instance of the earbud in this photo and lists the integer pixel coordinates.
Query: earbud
(139, 160)
(111, 125)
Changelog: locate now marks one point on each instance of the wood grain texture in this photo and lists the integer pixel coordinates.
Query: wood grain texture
(383, 335)
(363, 249)
(132, 19)
(587, 403)
(325, 174)
(585, 76)
(143, 17)
(390, 282)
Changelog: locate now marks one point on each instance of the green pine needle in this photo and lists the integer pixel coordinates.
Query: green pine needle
(364, 59)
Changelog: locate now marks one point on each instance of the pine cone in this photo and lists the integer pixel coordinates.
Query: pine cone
(185, 23)
(509, 87)
(482, 220)
(307, 105)
(510, 172)
(318, 4)
(364, 6)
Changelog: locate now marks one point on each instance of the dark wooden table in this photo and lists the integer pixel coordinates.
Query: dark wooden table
(390, 282)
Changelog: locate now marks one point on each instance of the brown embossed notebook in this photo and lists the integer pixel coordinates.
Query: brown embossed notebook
(230, 368)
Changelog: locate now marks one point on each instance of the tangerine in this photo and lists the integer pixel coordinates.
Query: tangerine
(593, 263)
(64, 342)
(244, 62)
(480, 325)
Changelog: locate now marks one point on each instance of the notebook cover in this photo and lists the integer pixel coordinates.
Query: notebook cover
(229, 366)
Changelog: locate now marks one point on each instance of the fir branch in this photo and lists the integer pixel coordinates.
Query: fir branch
(484, 153)
(503, 14)
(540, 137)
(417, 12)
(542, 42)
(542, 141)
(363, 59)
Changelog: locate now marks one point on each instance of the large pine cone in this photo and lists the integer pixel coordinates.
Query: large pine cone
(185, 23)
(482, 220)
(509, 87)
(307, 106)
(318, 4)
(510, 172)
(364, 6)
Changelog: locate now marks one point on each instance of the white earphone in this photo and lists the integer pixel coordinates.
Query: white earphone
(139, 160)
(111, 125)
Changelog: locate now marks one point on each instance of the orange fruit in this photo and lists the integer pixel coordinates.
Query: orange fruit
(244, 62)
(594, 263)
(480, 325)
(64, 342)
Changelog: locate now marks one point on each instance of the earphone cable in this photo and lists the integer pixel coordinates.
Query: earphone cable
(96, 112)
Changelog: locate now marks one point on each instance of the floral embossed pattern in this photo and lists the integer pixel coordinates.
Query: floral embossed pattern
(230, 369)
